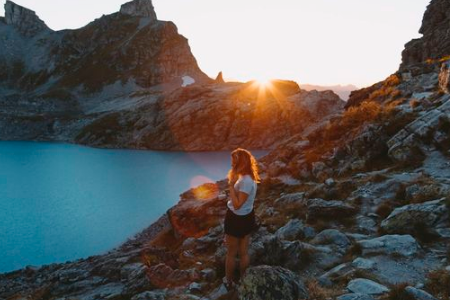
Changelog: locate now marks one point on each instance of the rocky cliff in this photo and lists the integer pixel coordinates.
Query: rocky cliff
(129, 80)
(435, 42)
(355, 207)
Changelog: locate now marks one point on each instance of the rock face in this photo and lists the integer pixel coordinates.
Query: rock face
(271, 283)
(128, 46)
(139, 8)
(406, 144)
(435, 41)
(24, 20)
(128, 80)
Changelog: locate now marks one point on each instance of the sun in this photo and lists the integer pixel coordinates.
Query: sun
(263, 82)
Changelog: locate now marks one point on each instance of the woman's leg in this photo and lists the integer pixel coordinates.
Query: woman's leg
(244, 259)
(230, 262)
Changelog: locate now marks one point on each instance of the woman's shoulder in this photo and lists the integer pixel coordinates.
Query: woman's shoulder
(247, 178)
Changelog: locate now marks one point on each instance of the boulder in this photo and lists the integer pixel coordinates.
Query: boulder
(294, 198)
(332, 209)
(408, 218)
(200, 210)
(271, 283)
(293, 230)
(334, 238)
(418, 294)
(163, 276)
(366, 286)
(135, 277)
(404, 245)
(274, 251)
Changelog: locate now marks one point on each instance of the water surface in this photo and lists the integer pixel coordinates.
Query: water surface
(61, 202)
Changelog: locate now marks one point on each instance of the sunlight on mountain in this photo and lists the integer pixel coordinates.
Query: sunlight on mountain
(263, 82)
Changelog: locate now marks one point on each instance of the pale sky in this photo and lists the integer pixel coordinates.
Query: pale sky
(322, 42)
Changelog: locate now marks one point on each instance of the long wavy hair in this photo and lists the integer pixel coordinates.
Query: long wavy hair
(243, 163)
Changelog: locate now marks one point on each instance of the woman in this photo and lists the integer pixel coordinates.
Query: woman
(240, 216)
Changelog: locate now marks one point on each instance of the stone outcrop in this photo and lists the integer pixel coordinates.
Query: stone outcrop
(271, 283)
(139, 8)
(366, 286)
(24, 20)
(426, 216)
(211, 117)
(219, 78)
(404, 245)
(435, 42)
(430, 127)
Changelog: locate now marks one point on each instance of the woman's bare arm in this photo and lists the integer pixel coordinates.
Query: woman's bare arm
(237, 199)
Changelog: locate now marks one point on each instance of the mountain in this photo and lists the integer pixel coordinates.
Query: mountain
(356, 207)
(342, 90)
(129, 80)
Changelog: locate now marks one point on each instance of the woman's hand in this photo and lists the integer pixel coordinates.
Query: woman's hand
(233, 180)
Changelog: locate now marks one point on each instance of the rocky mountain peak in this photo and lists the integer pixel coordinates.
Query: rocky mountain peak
(23, 19)
(435, 41)
(139, 8)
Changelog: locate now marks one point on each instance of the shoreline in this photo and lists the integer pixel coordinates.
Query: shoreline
(137, 241)
(106, 147)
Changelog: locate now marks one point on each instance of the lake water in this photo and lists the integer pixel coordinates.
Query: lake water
(61, 202)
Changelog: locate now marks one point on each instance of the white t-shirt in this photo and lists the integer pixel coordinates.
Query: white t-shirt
(246, 185)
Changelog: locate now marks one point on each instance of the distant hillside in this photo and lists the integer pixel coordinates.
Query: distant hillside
(342, 90)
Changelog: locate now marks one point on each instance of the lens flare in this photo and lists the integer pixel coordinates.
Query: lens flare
(204, 188)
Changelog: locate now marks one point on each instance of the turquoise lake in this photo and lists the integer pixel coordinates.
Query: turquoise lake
(61, 202)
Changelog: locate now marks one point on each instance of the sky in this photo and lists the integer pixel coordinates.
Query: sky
(323, 42)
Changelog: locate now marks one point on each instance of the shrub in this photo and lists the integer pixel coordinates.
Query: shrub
(318, 292)
(438, 284)
(398, 292)
(355, 250)
(384, 210)
(423, 233)
(400, 195)
(414, 103)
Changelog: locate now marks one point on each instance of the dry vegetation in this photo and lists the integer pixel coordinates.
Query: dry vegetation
(438, 284)
(317, 292)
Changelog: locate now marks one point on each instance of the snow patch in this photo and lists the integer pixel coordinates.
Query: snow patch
(187, 80)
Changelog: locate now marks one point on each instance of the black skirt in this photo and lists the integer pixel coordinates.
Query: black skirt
(239, 226)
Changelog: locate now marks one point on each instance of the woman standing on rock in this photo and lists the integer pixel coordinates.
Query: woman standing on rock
(240, 216)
